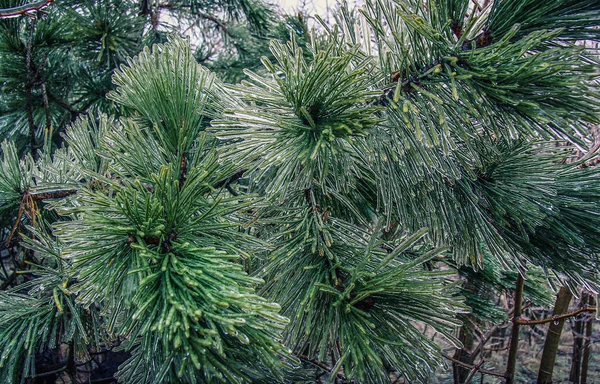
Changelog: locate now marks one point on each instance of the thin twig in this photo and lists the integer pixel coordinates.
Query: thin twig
(46, 107)
(17, 222)
(469, 366)
(24, 9)
(203, 15)
(475, 369)
(492, 349)
(557, 317)
(315, 362)
(215, 20)
(61, 369)
(483, 341)
(52, 195)
(29, 90)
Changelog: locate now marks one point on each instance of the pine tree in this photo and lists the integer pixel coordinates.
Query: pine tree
(304, 222)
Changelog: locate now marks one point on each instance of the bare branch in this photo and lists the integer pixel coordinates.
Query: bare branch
(6, 13)
(475, 369)
(469, 366)
(52, 195)
(207, 16)
(557, 317)
(315, 362)
(29, 91)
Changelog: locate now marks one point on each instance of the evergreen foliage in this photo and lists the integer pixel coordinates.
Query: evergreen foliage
(306, 220)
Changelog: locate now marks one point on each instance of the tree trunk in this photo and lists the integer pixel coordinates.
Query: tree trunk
(578, 331)
(563, 299)
(586, 344)
(514, 337)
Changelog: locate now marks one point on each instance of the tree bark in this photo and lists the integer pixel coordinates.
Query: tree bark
(561, 305)
(578, 331)
(586, 344)
(514, 337)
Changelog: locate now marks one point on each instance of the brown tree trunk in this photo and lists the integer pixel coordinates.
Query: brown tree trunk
(561, 305)
(514, 337)
(578, 331)
(586, 344)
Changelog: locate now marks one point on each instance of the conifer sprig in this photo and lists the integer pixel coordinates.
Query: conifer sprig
(171, 91)
(152, 243)
(304, 116)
